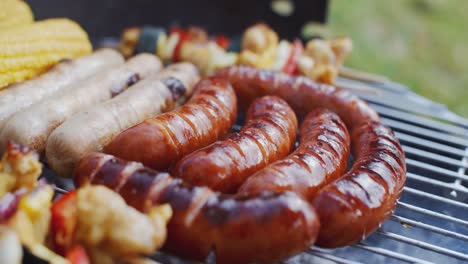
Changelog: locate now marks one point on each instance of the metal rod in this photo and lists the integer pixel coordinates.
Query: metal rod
(362, 75)
(425, 132)
(60, 190)
(435, 197)
(445, 232)
(322, 254)
(450, 186)
(417, 119)
(439, 170)
(432, 213)
(415, 104)
(433, 156)
(424, 245)
(431, 144)
(358, 86)
(392, 254)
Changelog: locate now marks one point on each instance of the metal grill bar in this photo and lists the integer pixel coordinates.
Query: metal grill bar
(436, 125)
(435, 197)
(358, 86)
(439, 170)
(323, 254)
(60, 190)
(428, 143)
(391, 254)
(423, 245)
(433, 214)
(433, 156)
(425, 132)
(450, 186)
(426, 107)
(445, 232)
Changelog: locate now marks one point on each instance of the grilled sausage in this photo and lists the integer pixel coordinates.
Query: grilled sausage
(268, 135)
(21, 95)
(378, 152)
(33, 125)
(161, 141)
(322, 157)
(301, 93)
(355, 205)
(246, 229)
(90, 130)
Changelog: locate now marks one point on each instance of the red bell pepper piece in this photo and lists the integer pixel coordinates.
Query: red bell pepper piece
(63, 222)
(222, 41)
(78, 255)
(296, 50)
(183, 36)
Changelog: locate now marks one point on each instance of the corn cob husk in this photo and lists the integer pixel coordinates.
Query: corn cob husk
(14, 13)
(29, 50)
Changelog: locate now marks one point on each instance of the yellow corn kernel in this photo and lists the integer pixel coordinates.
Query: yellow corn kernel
(15, 13)
(29, 50)
(33, 203)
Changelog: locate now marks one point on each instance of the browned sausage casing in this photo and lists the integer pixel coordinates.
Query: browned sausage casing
(355, 205)
(370, 189)
(268, 135)
(322, 157)
(161, 141)
(248, 229)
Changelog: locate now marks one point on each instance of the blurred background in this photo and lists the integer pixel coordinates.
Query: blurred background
(420, 43)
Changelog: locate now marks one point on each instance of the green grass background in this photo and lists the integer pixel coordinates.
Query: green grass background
(420, 43)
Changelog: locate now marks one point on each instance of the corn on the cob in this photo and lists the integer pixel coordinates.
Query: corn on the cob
(14, 13)
(29, 50)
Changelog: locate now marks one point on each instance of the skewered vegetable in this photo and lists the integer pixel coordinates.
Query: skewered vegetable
(259, 45)
(19, 168)
(101, 224)
(29, 50)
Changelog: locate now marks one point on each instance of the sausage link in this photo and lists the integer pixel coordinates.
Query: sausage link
(355, 205)
(269, 134)
(90, 130)
(376, 150)
(322, 157)
(241, 229)
(161, 141)
(301, 93)
(21, 95)
(33, 125)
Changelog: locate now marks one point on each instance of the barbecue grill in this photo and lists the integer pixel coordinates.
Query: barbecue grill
(430, 223)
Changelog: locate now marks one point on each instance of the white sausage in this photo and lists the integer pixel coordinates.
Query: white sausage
(93, 128)
(21, 95)
(33, 125)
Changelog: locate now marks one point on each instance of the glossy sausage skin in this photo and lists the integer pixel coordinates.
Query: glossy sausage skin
(355, 205)
(301, 93)
(241, 229)
(268, 135)
(377, 152)
(322, 157)
(161, 141)
(90, 130)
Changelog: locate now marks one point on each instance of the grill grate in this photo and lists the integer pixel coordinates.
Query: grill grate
(430, 224)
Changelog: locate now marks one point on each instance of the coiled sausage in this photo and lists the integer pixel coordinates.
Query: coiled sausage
(268, 135)
(379, 169)
(241, 229)
(161, 141)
